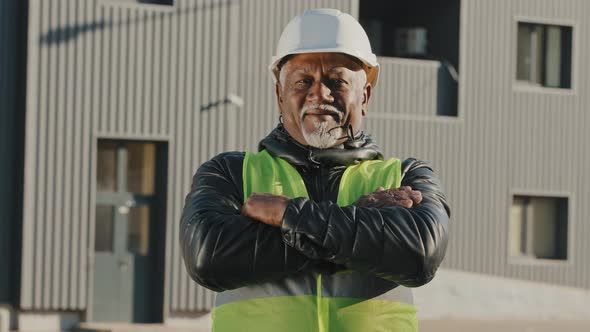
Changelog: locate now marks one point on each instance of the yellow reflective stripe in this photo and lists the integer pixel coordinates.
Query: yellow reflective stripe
(301, 313)
(365, 177)
(322, 321)
(247, 186)
(264, 173)
(271, 314)
(261, 172)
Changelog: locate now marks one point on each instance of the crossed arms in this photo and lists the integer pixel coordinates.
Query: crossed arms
(224, 247)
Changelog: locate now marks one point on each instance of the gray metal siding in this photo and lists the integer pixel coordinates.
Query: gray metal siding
(102, 68)
(108, 69)
(12, 71)
(406, 86)
(535, 137)
(507, 140)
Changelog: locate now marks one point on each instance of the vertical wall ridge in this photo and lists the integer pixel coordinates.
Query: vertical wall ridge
(102, 69)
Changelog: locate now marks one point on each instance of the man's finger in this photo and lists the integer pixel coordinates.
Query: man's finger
(407, 203)
(379, 188)
(416, 196)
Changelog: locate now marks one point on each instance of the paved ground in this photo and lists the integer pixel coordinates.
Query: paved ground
(504, 326)
(446, 325)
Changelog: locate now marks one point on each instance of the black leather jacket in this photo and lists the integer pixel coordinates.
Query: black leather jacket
(224, 250)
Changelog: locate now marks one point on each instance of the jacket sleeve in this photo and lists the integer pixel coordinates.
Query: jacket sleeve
(399, 244)
(221, 248)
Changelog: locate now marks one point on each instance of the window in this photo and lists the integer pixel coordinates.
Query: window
(422, 30)
(149, 2)
(158, 2)
(544, 55)
(538, 227)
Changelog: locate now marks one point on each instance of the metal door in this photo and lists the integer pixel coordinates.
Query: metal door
(125, 282)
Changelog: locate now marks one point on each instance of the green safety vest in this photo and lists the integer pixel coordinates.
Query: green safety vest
(346, 301)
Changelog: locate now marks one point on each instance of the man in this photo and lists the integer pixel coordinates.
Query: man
(315, 232)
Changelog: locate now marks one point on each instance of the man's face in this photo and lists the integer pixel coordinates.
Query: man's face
(319, 92)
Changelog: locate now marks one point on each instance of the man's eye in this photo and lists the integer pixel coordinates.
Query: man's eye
(338, 82)
(302, 82)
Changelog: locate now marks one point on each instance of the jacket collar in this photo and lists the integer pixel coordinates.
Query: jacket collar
(280, 144)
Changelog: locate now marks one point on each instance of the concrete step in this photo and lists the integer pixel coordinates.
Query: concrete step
(5, 317)
(465, 295)
(128, 327)
(454, 325)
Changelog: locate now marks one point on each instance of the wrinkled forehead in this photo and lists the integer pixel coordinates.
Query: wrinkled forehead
(312, 62)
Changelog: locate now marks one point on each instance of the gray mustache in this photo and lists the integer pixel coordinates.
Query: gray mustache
(331, 109)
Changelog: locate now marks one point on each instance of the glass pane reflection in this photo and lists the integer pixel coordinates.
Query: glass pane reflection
(106, 167)
(141, 168)
(139, 230)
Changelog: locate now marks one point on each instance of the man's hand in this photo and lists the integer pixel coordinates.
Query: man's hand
(266, 208)
(403, 196)
(269, 208)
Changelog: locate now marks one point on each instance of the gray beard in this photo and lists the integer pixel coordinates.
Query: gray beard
(322, 137)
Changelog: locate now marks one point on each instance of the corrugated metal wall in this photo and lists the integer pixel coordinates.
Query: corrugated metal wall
(507, 139)
(102, 68)
(537, 139)
(406, 86)
(12, 72)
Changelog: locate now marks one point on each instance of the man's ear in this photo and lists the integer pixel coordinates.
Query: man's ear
(366, 96)
(279, 94)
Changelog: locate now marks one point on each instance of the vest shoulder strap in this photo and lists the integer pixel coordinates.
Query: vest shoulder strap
(365, 177)
(262, 172)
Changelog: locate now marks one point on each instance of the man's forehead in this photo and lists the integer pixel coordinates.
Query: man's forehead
(332, 62)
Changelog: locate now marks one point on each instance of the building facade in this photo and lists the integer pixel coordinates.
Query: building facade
(109, 106)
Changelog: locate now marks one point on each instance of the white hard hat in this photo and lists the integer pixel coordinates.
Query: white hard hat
(326, 30)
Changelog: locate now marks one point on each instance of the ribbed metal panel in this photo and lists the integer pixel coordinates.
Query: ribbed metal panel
(406, 86)
(101, 68)
(506, 139)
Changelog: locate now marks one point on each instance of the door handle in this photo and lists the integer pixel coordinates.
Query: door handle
(123, 209)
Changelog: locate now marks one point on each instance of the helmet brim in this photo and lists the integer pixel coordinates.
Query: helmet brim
(371, 66)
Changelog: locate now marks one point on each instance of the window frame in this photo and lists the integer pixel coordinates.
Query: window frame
(532, 261)
(526, 86)
(136, 4)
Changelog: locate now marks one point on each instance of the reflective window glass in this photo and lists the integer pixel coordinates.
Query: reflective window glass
(106, 166)
(544, 55)
(139, 230)
(538, 227)
(141, 168)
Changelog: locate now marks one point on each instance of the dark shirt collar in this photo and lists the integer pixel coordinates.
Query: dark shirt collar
(279, 143)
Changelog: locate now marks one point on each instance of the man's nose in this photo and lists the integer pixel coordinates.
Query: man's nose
(320, 92)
